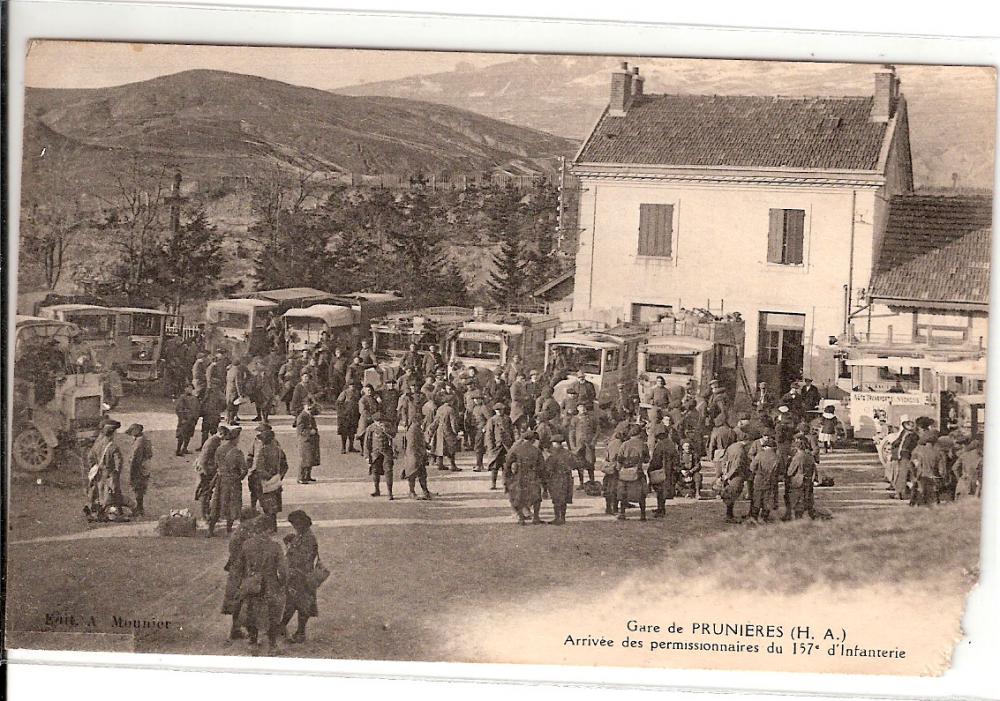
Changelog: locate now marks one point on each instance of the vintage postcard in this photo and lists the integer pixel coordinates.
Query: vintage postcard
(624, 361)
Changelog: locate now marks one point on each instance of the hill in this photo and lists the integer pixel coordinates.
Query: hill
(213, 123)
(952, 110)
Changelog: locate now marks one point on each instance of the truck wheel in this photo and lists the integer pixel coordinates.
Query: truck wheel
(31, 452)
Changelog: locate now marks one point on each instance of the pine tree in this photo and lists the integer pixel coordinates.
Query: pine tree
(190, 262)
(507, 283)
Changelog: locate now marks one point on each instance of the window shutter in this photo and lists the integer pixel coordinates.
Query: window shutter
(644, 213)
(656, 223)
(665, 230)
(774, 235)
(794, 235)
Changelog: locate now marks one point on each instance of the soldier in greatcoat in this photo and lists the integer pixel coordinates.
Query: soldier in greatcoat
(414, 459)
(347, 418)
(187, 408)
(733, 471)
(523, 468)
(498, 439)
(263, 574)
(236, 377)
(443, 434)
(765, 468)
(308, 434)
(227, 484)
(559, 467)
(104, 488)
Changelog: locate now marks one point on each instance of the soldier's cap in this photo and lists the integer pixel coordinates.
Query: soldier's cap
(134, 429)
(829, 410)
(581, 373)
(299, 518)
(530, 436)
(235, 431)
(713, 381)
(806, 380)
(924, 422)
(265, 435)
(263, 427)
(108, 422)
(500, 405)
(905, 419)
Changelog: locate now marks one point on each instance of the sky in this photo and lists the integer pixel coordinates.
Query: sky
(64, 64)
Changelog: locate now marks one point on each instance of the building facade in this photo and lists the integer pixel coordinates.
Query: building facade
(771, 207)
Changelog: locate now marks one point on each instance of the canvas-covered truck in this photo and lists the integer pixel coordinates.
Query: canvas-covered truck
(346, 319)
(492, 339)
(691, 351)
(428, 328)
(239, 325)
(58, 394)
(305, 326)
(606, 356)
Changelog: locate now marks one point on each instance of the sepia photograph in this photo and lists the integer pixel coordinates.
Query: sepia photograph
(613, 360)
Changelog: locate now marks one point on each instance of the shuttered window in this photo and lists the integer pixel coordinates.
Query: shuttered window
(656, 230)
(786, 232)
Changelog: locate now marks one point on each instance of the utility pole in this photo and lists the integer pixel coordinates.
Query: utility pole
(174, 199)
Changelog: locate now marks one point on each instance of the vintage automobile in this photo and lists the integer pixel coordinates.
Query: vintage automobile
(238, 326)
(58, 392)
(428, 328)
(304, 327)
(493, 338)
(147, 333)
(607, 356)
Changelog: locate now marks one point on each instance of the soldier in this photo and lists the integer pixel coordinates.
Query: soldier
(414, 460)
(443, 434)
(799, 476)
(632, 482)
(586, 392)
(301, 394)
(523, 468)
(198, 372)
(733, 473)
(366, 356)
(142, 455)
(765, 467)
(928, 467)
(476, 425)
(499, 437)
(308, 433)
(583, 441)
(236, 377)
(187, 407)
(663, 460)
(559, 466)
(377, 446)
(270, 465)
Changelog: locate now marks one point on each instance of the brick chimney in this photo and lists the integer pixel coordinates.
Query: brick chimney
(886, 94)
(637, 81)
(621, 91)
